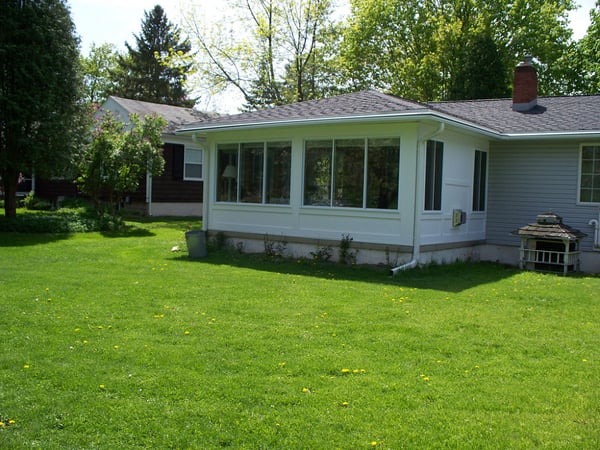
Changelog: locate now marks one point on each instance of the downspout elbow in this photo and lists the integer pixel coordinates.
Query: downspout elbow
(409, 265)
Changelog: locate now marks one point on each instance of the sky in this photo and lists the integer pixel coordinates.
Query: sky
(116, 21)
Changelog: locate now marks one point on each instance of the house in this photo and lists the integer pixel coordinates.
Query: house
(179, 190)
(410, 182)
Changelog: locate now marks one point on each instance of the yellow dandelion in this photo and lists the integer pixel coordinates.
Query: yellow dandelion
(12, 422)
(345, 370)
(186, 332)
(306, 390)
(345, 404)
(102, 386)
(116, 347)
(26, 366)
(374, 444)
(1, 424)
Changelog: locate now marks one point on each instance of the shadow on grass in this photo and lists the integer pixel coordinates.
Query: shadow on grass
(455, 277)
(15, 239)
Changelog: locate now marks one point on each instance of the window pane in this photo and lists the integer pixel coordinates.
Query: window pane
(589, 189)
(317, 173)
(433, 175)
(251, 172)
(193, 171)
(193, 156)
(479, 180)
(227, 172)
(382, 173)
(349, 172)
(279, 162)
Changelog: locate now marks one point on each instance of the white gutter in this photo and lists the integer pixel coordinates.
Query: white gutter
(416, 253)
(394, 116)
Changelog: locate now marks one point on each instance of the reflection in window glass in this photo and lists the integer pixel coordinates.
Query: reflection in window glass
(317, 173)
(279, 162)
(433, 175)
(349, 161)
(382, 173)
(251, 172)
(589, 189)
(227, 172)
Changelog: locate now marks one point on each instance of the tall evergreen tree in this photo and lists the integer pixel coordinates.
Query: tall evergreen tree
(144, 74)
(40, 85)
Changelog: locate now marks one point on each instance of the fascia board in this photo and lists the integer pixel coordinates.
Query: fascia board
(399, 116)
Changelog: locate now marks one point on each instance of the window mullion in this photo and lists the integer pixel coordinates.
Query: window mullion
(365, 171)
(332, 177)
(264, 175)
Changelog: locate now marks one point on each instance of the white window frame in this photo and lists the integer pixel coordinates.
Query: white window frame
(187, 151)
(579, 174)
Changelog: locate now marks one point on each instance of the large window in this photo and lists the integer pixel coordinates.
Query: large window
(479, 180)
(355, 173)
(589, 187)
(433, 175)
(192, 164)
(254, 172)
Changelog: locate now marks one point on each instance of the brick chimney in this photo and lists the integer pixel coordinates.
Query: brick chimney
(525, 86)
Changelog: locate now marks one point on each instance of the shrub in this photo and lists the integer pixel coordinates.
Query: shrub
(347, 256)
(34, 203)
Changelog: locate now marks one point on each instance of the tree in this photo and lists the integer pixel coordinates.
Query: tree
(419, 48)
(588, 54)
(284, 56)
(40, 85)
(118, 156)
(143, 73)
(98, 69)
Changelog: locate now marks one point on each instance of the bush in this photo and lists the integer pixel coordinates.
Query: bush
(33, 203)
(77, 220)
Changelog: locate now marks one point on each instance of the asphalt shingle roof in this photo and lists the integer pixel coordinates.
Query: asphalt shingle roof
(362, 103)
(176, 116)
(552, 115)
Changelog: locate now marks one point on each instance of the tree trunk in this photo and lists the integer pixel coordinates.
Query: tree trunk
(9, 183)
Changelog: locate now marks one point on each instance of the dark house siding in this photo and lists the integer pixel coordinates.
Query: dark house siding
(170, 186)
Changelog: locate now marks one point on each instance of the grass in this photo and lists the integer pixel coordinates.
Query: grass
(113, 341)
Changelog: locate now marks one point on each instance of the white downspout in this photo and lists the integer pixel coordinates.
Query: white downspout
(596, 224)
(416, 253)
(149, 191)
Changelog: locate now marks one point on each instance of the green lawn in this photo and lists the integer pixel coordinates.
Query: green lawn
(115, 342)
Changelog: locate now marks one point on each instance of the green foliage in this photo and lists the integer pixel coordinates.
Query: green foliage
(287, 52)
(120, 343)
(98, 70)
(143, 75)
(347, 256)
(587, 57)
(41, 115)
(119, 155)
(34, 203)
(64, 220)
(323, 253)
(437, 50)
(274, 249)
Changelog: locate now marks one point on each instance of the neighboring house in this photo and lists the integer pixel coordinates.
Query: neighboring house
(179, 190)
(410, 182)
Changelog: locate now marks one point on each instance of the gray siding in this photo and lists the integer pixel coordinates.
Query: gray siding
(526, 179)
